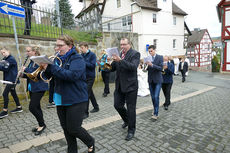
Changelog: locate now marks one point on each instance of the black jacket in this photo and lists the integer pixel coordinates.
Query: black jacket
(126, 71)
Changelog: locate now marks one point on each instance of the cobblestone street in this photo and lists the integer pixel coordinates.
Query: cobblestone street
(197, 121)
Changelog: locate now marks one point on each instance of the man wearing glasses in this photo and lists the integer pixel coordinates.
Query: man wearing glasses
(126, 85)
(155, 78)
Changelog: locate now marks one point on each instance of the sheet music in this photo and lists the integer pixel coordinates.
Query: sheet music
(41, 59)
(148, 59)
(6, 82)
(112, 51)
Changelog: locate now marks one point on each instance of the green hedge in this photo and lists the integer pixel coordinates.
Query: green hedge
(215, 64)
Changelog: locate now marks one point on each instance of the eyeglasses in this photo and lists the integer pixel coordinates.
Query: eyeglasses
(59, 45)
(123, 44)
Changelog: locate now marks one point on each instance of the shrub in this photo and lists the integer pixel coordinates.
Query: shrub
(215, 64)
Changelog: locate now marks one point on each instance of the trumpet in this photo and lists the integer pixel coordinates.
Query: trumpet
(34, 75)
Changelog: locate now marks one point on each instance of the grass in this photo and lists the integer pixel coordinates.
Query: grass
(41, 30)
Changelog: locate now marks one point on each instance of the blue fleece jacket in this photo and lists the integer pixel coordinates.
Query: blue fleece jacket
(10, 69)
(90, 60)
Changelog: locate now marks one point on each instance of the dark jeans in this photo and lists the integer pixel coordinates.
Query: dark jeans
(128, 115)
(92, 98)
(71, 118)
(35, 106)
(51, 90)
(10, 88)
(155, 89)
(166, 88)
(105, 77)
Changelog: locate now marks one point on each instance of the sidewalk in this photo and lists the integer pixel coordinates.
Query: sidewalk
(198, 121)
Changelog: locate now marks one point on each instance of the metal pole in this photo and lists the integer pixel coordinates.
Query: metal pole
(58, 13)
(16, 41)
(19, 55)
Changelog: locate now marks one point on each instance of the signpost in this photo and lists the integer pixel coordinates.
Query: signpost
(14, 11)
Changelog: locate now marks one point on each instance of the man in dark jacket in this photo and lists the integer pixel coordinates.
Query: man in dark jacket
(27, 4)
(126, 85)
(155, 79)
(90, 60)
(183, 68)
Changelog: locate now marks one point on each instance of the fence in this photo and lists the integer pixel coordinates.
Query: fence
(39, 21)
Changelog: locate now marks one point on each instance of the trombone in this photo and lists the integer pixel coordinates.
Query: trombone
(34, 75)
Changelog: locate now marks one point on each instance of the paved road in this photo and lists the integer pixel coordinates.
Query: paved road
(199, 123)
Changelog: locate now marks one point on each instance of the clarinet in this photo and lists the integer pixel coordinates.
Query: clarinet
(18, 76)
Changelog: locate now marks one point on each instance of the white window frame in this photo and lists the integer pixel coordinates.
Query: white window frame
(118, 3)
(124, 21)
(174, 43)
(174, 20)
(155, 42)
(154, 18)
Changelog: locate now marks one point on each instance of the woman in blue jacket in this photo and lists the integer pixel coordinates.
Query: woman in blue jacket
(10, 70)
(70, 93)
(36, 91)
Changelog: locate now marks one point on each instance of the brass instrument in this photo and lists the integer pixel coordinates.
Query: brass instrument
(145, 68)
(34, 75)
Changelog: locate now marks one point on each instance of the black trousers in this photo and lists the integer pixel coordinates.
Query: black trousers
(71, 118)
(35, 106)
(128, 115)
(51, 90)
(92, 98)
(105, 78)
(10, 88)
(166, 88)
(27, 21)
(183, 75)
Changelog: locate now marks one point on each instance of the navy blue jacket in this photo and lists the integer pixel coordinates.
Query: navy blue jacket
(168, 75)
(10, 70)
(154, 72)
(90, 60)
(70, 79)
(35, 86)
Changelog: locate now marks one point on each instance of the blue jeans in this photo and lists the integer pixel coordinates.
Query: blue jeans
(155, 89)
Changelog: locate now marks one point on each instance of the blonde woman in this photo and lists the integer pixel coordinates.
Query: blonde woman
(36, 91)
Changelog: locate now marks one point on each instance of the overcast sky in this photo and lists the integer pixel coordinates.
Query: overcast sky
(201, 13)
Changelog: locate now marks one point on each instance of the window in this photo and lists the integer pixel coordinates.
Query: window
(118, 3)
(164, 0)
(174, 20)
(174, 43)
(129, 20)
(155, 42)
(154, 18)
(124, 21)
(108, 26)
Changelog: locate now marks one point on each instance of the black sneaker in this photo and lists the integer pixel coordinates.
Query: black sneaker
(17, 110)
(51, 105)
(3, 114)
(94, 110)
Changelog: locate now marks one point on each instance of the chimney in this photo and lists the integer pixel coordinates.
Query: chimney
(197, 29)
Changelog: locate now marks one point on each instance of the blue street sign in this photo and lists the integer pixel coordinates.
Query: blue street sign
(147, 47)
(12, 10)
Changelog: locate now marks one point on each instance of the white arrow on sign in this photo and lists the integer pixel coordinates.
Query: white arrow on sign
(4, 8)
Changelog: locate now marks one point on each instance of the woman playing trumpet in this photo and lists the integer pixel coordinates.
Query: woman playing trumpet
(36, 91)
(10, 70)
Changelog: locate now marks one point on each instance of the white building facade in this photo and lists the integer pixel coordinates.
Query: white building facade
(158, 22)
